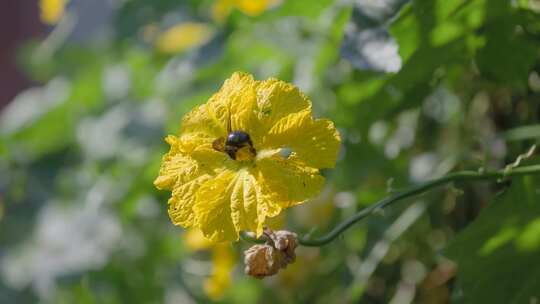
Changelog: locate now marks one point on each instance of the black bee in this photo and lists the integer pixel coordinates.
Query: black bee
(235, 142)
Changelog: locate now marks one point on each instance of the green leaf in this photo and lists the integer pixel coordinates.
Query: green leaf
(498, 255)
(509, 54)
(299, 8)
(523, 132)
(431, 24)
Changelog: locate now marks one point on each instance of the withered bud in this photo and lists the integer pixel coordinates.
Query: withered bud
(268, 259)
(286, 242)
(262, 260)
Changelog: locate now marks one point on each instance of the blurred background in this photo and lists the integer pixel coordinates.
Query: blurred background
(89, 89)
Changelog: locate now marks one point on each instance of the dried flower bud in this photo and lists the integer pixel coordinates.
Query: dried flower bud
(278, 252)
(286, 242)
(262, 261)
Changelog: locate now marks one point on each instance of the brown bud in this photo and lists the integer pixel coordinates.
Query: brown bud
(278, 252)
(286, 242)
(262, 261)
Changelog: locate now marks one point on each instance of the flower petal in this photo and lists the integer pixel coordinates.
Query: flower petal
(233, 107)
(315, 142)
(277, 99)
(244, 104)
(288, 181)
(198, 124)
(175, 165)
(182, 201)
(249, 205)
(213, 208)
(185, 174)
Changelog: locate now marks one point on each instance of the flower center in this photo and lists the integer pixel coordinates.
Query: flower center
(237, 145)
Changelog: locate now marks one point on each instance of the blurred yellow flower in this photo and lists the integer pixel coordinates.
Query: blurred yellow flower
(195, 240)
(183, 36)
(51, 11)
(252, 150)
(223, 261)
(222, 8)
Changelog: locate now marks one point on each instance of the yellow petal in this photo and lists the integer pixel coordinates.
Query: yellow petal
(182, 201)
(289, 182)
(249, 205)
(199, 130)
(183, 36)
(175, 165)
(195, 141)
(199, 125)
(213, 208)
(234, 106)
(244, 104)
(277, 99)
(184, 175)
(315, 142)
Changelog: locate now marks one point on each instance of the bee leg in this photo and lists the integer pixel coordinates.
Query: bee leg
(231, 151)
(219, 144)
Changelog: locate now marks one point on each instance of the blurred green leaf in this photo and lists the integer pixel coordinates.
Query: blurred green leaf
(502, 248)
(300, 8)
(509, 53)
(435, 23)
(55, 129)
(524, 132)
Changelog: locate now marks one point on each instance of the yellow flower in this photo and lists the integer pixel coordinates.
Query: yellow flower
(252, 150)
(183, 36)
(51, 10)
(223, 261)
(222, 8)
(195, 240)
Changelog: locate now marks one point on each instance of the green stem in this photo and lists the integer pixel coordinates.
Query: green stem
(415, 190)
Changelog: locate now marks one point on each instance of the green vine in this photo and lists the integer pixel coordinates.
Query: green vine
(413, 191)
